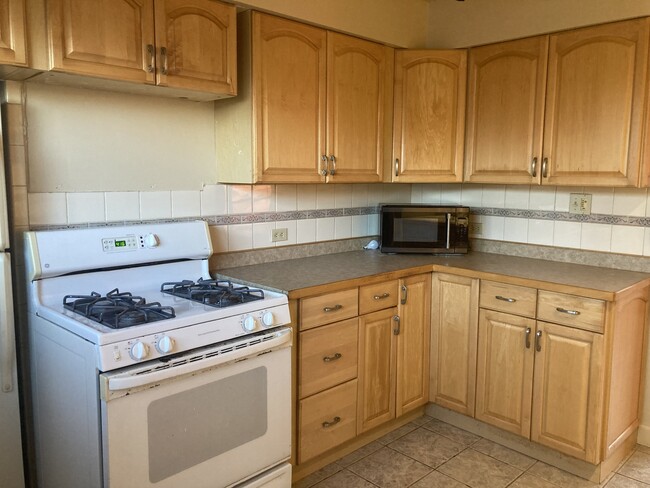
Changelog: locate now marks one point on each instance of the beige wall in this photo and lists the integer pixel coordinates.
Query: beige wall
(402, 23)
(455, 24)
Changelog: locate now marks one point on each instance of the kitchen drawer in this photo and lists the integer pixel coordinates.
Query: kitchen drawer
(518, 300)
(378, 296)
(579, 312)
(328, 308)
(327, 420)
(328, 356)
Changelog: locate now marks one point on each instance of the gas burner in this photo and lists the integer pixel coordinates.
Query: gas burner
(117, 310)
(215, 293)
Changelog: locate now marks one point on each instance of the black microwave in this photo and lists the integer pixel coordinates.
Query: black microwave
(426, 229)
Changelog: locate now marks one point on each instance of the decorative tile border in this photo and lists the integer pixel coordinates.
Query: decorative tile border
(562, 216)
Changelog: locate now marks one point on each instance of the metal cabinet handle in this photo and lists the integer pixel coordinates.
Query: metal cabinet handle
(405, 293)
(538, 340)
(151, 53)
(336, 307)
(505, 299)
(528, 331)
(396, 329)
(545, 168)
(334, 357)
(396, 167)
(533, 167)
(382, 296)
(325, 170)
(570, 312)
(163, 57)
(331, 423)
(333, 170)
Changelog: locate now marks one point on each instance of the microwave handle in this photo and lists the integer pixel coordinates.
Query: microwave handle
(448, 230)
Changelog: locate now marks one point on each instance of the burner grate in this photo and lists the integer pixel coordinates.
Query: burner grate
(216, 293)
(117, 309)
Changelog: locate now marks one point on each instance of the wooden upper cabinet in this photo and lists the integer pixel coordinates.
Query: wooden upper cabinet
(289, 61)
(107, 38)
(429, 116)
(196, 45)
(595, 101)
(181, 44)
(505, 114)
(359, 108)
(13, 49)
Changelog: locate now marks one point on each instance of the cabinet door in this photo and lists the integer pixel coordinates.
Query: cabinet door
(505, 114)
(454, 327)
(504, 377)
(288, 100)
(413, 343)
(377, 359)
(106, 38)
(196, 45)
(12, 33)
(567, 408)
(359, 108)
(429, 116)
(595, 100)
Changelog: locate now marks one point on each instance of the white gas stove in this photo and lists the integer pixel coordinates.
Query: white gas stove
(131, 323)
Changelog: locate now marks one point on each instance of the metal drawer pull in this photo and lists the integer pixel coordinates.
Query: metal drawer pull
(505, 299)
(382, 296)
(570, 312)
(334, 357)
(331, 423)
(528, 337)
(333, 309)
(538, 340)
(396, 330)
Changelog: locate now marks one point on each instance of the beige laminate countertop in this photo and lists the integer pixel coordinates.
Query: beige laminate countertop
(317, 274)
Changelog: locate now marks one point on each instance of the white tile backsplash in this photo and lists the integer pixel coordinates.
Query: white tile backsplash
(596, 237)
(431, 194)
(567, 234)
(373, 224)
(262, 234)
(122, 205)
(563, 197)
(186, 204)
(263, 198)
(493, 227)
(359, 225)
(342, 196)
(214, 200)
(359, 195)
(541, 198)
(517, 197)
(286, 198)
(240, 199)
(306, 231)
(540, 232)
(86, 207)
(494, 196)
(325, 196)
(155, 205)
(450, 193)
(219, 237)
(342, 227)
(515, 230)
(325, 229)
(627, 239)
(47, 208)
(240, 237)
(471, 195)
(306, 197)
(292, 235)
(630, 201)
(602, 200)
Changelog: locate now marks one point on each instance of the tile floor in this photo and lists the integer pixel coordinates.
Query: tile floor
(428, 453)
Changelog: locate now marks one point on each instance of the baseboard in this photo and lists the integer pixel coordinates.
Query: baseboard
(644, 435)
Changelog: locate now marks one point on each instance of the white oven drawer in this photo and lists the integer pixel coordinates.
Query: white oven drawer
(212, 427)
(279, 477)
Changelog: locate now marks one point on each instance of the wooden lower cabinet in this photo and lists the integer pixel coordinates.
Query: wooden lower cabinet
(454, 323)
(327, 419)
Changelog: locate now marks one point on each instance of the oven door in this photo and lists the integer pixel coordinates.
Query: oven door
(210, 418)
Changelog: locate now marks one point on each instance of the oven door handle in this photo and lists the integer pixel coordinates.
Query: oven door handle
(110, 382)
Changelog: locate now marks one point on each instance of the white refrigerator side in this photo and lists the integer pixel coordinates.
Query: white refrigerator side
(11, 460)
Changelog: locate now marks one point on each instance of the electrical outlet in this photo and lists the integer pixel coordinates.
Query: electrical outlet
(475, 228)
(279, 234)
(580, 203)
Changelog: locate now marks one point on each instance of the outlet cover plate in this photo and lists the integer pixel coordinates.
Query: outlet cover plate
(278, 235)
(580, 203)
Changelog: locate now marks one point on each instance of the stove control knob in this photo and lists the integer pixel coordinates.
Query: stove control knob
(139, 351)
(151, 241)
(249, 323)
(165, 345)
(268, 319)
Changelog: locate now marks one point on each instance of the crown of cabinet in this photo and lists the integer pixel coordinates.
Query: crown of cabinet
(314, 106)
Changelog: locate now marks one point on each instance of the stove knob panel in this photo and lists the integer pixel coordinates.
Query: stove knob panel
(151, 241)
(249, 323)
(268, 319)
(139, 351)
(165, 345)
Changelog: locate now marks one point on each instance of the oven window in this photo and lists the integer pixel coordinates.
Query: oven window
(188, 428)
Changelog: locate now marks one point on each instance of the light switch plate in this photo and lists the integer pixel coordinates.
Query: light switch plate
(580, 203)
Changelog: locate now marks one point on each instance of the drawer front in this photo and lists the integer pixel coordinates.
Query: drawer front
(518, 300)
(328, 356)
(378, 296)
(579, 312)
(327, 420)
(328, 308)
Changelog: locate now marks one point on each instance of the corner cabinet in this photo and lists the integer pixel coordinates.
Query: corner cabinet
(576, 120)
(429, 116)
(314, 106)
(188, 45)
(13, 42)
